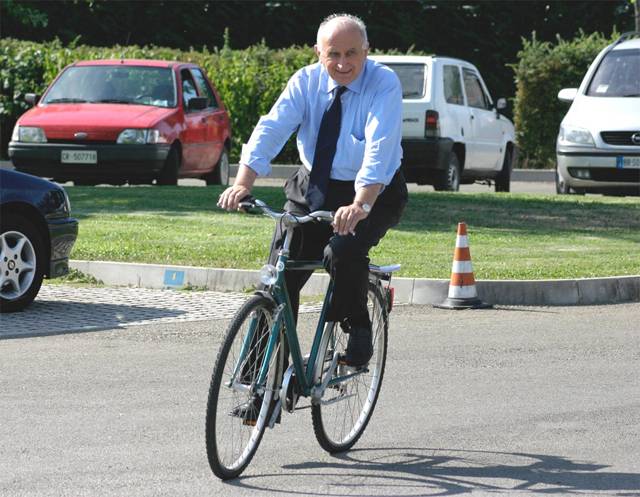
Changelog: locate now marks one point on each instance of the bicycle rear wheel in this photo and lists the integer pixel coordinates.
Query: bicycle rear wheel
(344, 411)
(233, 436)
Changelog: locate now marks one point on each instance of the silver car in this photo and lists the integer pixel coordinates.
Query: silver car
(598, 146)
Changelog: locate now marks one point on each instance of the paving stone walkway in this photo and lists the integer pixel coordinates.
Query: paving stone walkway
(63, 309)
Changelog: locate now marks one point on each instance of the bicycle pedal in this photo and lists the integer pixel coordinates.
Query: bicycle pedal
(249, 422)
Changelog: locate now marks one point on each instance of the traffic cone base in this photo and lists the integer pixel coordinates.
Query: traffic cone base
(459, 304)
(462, 288)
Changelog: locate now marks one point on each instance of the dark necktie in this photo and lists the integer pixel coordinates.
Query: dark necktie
(324, 153)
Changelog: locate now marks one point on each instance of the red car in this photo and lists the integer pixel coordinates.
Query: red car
(112, 121)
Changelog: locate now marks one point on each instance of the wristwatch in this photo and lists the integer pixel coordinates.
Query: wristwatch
(365, 207)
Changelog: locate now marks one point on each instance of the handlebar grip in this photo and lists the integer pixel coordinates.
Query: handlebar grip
(250, 199)
(247, 203)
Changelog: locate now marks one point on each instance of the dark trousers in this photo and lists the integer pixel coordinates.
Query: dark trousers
(345, 257)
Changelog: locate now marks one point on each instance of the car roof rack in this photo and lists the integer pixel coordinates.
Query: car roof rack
(626, 36)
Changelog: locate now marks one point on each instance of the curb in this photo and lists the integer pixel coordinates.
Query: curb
(583, 291)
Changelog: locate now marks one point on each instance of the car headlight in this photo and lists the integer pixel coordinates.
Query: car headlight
(572, 135)
(67, 202)
(28, 134)
(140, 136)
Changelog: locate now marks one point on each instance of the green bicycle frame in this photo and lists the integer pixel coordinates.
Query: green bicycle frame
(284, 317)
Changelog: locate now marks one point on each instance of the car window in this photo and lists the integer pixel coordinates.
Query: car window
(114, 84)
(476, 96)
(452, 85)
(203, 87)
(412, 78)
(188, 87)
(618, 75)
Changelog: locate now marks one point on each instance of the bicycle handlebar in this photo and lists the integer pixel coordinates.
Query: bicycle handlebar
(286, 217)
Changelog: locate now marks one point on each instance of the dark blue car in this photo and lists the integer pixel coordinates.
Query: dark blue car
(36, 236)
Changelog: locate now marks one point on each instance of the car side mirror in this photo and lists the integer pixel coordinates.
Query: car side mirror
(198, 103)
(31, 98)
(567, 94)
(501, 104)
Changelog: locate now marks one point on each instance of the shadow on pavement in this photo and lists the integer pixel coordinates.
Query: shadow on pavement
(429, 472)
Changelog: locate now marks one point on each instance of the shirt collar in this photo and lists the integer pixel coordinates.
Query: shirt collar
(355, 86)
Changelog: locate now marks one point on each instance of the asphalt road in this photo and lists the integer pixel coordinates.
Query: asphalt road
(511, 401)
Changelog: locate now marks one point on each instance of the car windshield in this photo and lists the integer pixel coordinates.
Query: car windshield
(139, 85)
(618, 75)
(412, 78)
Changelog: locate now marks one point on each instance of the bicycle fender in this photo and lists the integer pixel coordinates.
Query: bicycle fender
(267, 295)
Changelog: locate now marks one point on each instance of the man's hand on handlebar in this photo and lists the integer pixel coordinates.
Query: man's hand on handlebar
(231, 197)
(346, 219)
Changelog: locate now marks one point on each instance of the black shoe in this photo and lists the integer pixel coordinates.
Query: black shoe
(359, 348)
(250, 411)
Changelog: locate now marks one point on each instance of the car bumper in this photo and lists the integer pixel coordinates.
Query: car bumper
(63, 234)
(113, 160)
(422, 156)
(593, 171)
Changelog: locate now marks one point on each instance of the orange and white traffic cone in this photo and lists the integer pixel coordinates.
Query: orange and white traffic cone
(462, 288)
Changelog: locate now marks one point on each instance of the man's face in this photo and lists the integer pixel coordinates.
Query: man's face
(340, 51)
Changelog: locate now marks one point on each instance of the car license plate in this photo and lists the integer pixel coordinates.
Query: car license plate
(627, 162)
(79, 157)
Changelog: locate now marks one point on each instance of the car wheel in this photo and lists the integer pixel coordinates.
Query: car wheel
(169, 174)
(22, 262)
(503, 180)
(222, 171)
(449, 179)
(561, 186)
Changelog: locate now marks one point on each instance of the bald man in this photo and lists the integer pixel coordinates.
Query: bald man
(347, 110)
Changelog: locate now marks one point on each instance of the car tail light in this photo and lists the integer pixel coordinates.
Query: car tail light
(431, 124)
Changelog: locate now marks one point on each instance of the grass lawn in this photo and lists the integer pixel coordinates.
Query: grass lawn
(511, 236)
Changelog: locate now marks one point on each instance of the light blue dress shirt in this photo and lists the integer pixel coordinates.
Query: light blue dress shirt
(368, 149)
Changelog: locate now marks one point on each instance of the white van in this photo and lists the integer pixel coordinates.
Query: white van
(598, 146)
(452, 132)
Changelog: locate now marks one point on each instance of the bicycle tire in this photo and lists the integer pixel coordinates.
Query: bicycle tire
(231, 442)
(340, 424)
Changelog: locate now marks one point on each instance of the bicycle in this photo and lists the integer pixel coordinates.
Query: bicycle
(250, 386)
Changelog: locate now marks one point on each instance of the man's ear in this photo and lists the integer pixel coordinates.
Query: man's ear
(316, 50)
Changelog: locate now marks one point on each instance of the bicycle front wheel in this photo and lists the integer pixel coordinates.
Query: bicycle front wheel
(342, 415)
(236, 417)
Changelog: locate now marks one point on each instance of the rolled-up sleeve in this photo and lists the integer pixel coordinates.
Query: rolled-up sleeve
(383, 135)
(274, 129)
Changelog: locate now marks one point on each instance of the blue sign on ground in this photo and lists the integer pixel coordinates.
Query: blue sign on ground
(173, 278)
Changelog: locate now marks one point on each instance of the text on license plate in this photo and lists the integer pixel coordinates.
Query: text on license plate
(79, 156)
(627, 162)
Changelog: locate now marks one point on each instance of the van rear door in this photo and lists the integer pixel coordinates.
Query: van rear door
(413, 78)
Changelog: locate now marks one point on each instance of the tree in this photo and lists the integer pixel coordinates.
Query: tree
(487, 33)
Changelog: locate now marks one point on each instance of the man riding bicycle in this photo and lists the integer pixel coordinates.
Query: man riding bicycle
(347, 111)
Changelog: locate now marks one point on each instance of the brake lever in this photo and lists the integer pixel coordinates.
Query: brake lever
(247, 204)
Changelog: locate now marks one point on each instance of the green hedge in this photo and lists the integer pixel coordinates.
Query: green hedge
(542, 70)
(249, 81)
